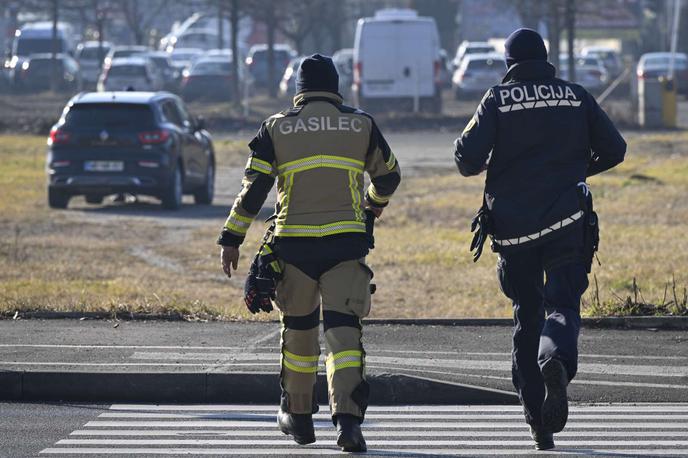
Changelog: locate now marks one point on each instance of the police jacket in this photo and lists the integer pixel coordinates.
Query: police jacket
(538, 137)
(317, 151)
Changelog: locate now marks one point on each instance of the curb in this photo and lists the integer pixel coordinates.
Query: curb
(252, 388)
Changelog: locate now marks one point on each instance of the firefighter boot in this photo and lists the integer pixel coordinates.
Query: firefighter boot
(544, 440)
(555, 408)
(349, 435)
(299, 426)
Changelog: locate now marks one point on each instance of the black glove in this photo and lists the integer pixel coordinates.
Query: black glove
(481, 226)
(258, 290)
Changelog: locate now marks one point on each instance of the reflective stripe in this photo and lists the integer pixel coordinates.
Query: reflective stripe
(298, 363)
(377, 198)
(355, 195)
(265, 249)
(556, 226)
(392, 161)
(259, 166)
(344, 360)
(237, 223)
(321, 160)
(340, 227)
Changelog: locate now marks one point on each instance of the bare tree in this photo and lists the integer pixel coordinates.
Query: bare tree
(139, 16)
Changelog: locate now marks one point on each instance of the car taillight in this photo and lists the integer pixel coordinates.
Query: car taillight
(58, 137)
(641, 74)
(358, 72)
(149, 164)
(154, 137)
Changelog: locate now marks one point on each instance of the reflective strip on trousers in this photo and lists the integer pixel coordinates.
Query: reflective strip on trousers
(299, 363)
(528, 238)
(321, 160)
(344, 359)
(237, 223)
(289, 230)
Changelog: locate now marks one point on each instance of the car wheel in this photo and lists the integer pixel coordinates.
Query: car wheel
(94, 199)
(172, 195)
(205, 194)
(57, 199)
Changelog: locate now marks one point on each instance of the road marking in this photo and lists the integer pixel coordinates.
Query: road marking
(627, 429)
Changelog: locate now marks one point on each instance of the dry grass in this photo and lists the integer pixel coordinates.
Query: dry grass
(137, 261)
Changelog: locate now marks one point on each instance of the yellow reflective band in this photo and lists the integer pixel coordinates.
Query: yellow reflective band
(259, 166)
(344, 360)
(295, 357)
(298, 363)
(355, 195)
(340, 227)
(237, 223)
(319, 161)
(377, 198)
(265, 249)
(392, 161)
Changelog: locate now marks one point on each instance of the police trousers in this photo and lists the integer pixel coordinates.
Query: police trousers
(342, 289)
(545, 284)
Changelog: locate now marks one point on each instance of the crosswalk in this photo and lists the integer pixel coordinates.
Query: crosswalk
(249, 430)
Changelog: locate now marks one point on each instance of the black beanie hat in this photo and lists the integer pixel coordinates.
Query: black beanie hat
(524, 44)
(317, 73)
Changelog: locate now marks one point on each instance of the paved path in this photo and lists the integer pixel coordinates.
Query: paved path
(229, 430)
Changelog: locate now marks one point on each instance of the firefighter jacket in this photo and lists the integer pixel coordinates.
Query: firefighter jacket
(539, 137)
(317, 151)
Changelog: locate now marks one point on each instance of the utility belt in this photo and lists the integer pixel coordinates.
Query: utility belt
(482, 226)
(266, 272)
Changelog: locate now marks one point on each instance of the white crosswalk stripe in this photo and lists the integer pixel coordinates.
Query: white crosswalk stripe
(231, 430)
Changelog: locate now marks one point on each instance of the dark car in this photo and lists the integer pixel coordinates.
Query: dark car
(142, 143)
(37, 71)
(170, 74)
(257, 64)
(208, 78)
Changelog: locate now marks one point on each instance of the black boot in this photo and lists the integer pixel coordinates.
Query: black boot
(555, 408)
(297, 425)
(349, 435)
(544, 440)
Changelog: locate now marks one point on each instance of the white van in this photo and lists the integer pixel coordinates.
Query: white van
(396, 62)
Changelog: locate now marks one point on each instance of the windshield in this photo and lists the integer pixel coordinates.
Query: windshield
(486, 64)
(212, 68)
(101, 115)
(28, 46)
(127, 70)
(93, 53)
(663, 61)
(479, 49)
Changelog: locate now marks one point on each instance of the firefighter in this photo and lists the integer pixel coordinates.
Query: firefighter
(318, 151)
(539, 137)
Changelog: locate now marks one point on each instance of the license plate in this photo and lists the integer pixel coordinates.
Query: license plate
(104, 166)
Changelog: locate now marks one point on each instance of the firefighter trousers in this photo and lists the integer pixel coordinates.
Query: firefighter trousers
(343, 290)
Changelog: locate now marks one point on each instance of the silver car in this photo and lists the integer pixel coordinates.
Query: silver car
(131, 73)
(477, 73)
(90, 56)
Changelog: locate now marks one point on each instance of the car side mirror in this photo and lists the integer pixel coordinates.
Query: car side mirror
(200, 123)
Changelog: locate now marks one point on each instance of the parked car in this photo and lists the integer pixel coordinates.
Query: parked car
(471, 47)
(288, 83)
(611, 59)
(90, 56)
(201, 39)
(183, 58)
(130, 73)
(478, 73)
(655, 64)
(119, 52)
(210, 78)
(590, 72)
(344, 61)
(36, 74)
(257, 64)
(141, 143)
(384, 79)
(171, 76)
(37, 38)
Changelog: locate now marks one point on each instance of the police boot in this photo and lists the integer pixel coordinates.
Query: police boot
(544, 440)
(555, 408)
(297, 425)
(349, 435)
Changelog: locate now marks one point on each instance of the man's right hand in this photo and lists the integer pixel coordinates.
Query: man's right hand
(229, 257)
(377, 211)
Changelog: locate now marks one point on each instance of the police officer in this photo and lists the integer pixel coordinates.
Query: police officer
(318, 151)
(539, 138)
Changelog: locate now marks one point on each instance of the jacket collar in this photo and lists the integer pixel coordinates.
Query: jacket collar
(305, 97)
(529, 70)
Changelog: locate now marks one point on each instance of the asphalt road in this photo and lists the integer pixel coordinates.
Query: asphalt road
(615, 365)
(240, 430)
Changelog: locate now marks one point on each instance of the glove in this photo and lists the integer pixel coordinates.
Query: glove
(481, 228)
(258, 291)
